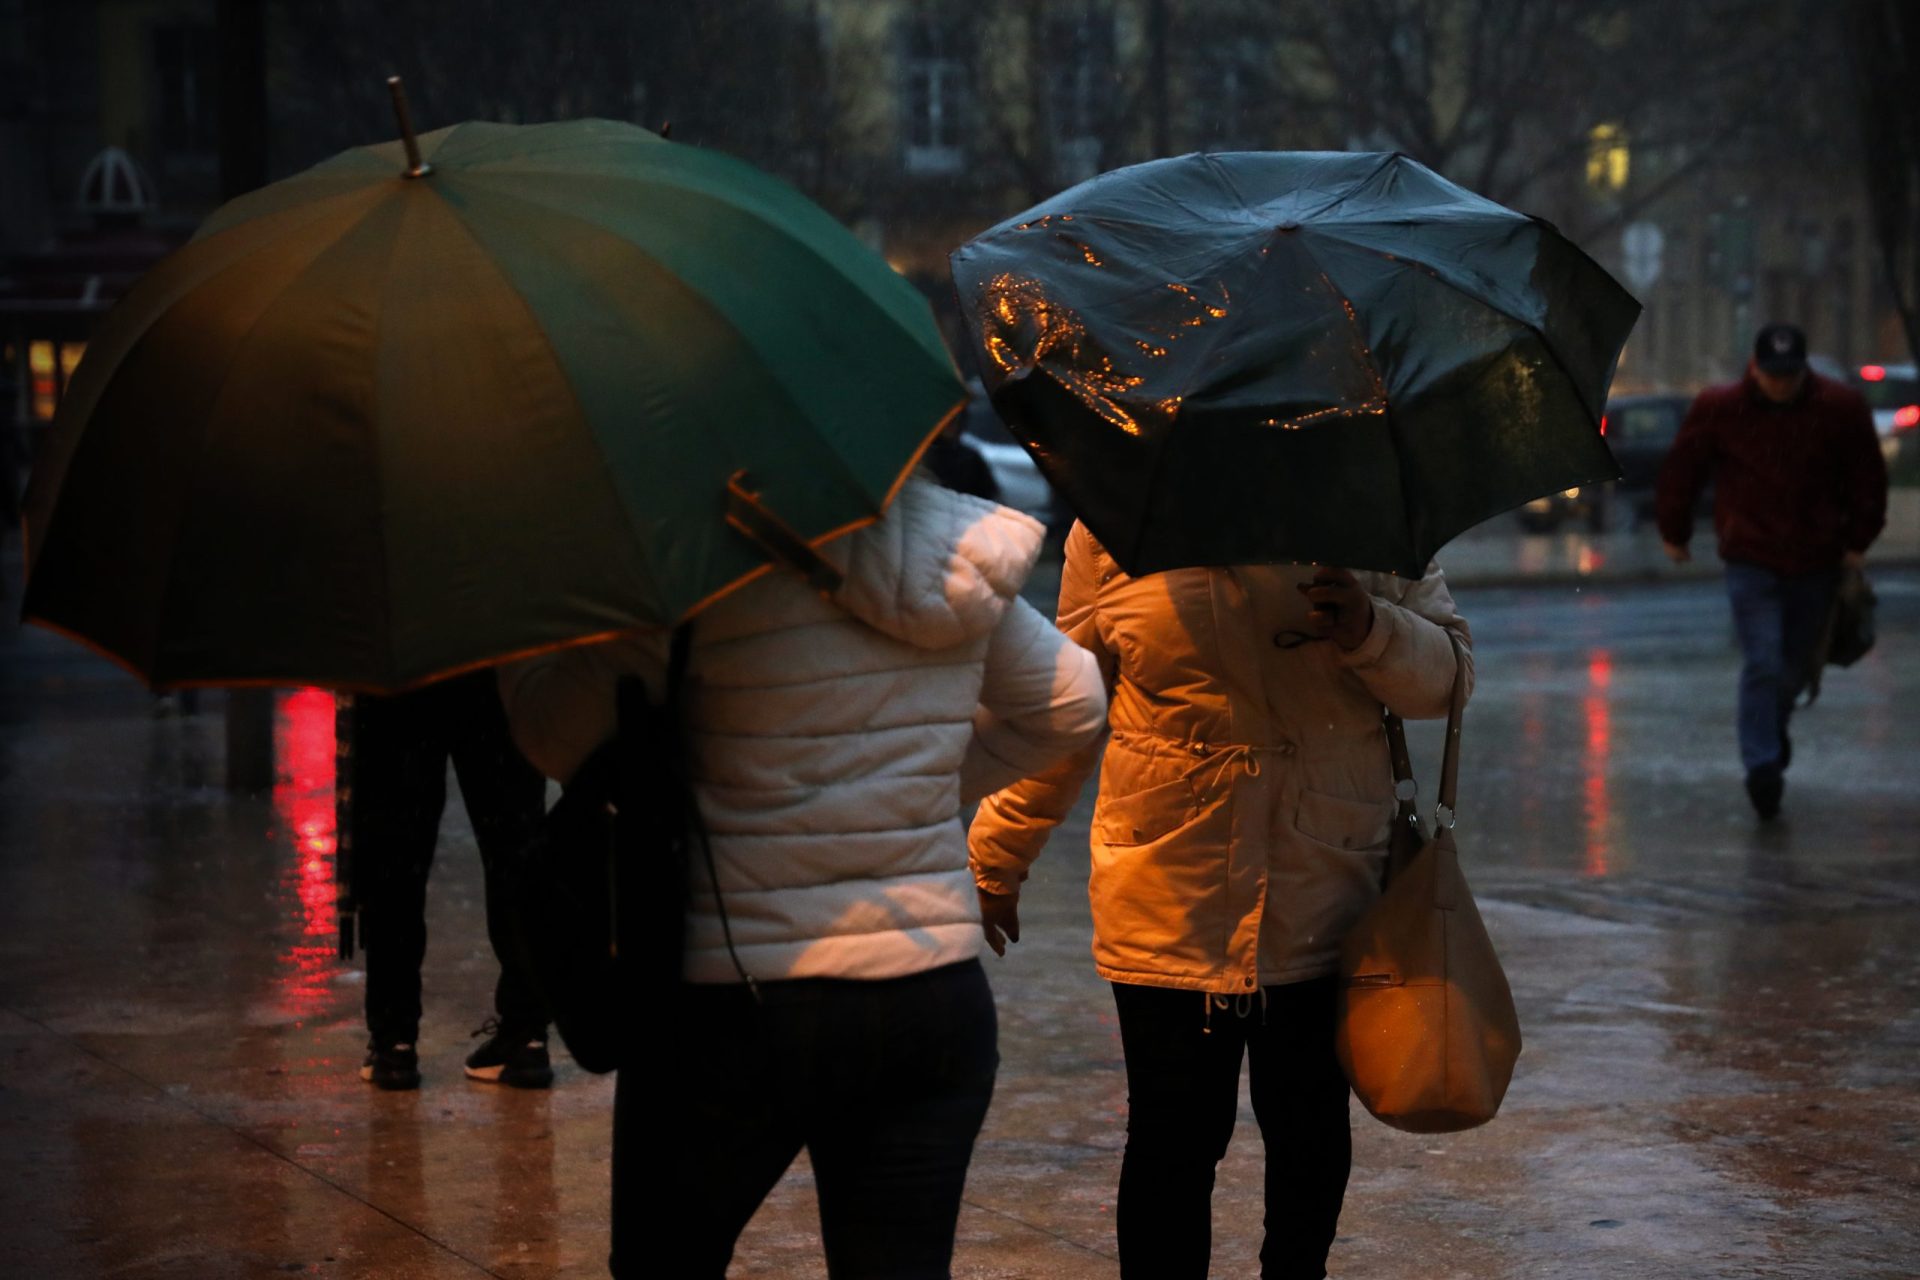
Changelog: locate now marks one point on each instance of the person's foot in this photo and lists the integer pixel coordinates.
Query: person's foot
(391, 1066)
(510, 1058)
(1764, 787)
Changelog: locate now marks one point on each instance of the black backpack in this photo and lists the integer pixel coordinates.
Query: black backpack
(599, 895)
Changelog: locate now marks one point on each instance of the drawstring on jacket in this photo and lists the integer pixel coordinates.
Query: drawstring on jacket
(1241, 1003)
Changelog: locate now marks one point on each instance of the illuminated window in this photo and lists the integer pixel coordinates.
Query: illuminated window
(48, 382)
(1608, 157)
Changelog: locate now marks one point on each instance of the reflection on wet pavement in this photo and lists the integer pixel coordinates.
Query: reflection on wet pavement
(1723, 1020)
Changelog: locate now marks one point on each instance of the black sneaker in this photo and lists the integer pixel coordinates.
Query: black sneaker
(392, 1066)
(1764, 787)
(510, 1058)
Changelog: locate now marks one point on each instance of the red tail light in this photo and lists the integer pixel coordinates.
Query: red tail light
(1872, 372)
(1907, 416)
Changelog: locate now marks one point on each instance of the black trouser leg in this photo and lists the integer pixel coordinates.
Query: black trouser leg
(1183, 1086)
(1300, 1100)
(885, 1082)
(505, 797)
(399, 781)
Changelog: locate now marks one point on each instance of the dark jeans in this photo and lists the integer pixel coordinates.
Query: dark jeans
(401, 745)
(1183, 1085)
(885, 1083)
(1778, 619)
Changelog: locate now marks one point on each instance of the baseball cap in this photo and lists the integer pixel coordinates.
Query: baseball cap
(1780, 348)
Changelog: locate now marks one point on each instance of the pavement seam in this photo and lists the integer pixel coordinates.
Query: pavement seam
(1034, 1226)
(169, 1096)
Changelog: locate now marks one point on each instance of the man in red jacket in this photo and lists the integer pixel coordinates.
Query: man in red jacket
(1800, 489)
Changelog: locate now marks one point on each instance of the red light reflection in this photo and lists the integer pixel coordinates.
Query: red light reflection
(1599, 752)
(303, 800)
(1873, 372)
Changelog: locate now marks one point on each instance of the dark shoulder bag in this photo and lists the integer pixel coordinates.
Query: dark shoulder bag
(598, 898)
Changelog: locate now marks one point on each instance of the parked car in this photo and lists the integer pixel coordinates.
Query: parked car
(1893, 393)
(1639, 430)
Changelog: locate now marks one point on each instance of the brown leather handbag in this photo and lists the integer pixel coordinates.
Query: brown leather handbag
(1427, 1031)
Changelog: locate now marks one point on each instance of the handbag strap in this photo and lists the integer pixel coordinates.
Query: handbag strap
(1450, 762)
(1404, 787)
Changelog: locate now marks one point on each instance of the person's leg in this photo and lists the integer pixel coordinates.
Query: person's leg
(702, 1129)
(505, 798)
(1183, 1095)
(399, 790)
(903, 1074)
(1806, 605)
(1756, 598)
(1300, 1099)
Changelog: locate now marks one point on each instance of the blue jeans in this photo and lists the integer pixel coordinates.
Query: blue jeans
(883, 1082)
(1778, 619)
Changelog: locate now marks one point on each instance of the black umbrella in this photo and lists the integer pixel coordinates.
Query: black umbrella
(1324, 357)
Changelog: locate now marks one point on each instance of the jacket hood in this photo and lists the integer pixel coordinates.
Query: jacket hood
(940, 568)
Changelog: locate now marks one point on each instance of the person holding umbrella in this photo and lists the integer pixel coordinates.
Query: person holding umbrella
(1241, 370)
(500, 391)
(833, 999)
(1243, 819)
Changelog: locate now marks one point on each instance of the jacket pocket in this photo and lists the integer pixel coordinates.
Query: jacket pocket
(1344, 824)
(1144, 816)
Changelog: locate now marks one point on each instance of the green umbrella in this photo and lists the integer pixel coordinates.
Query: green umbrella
(391, 418)
(1292, 356)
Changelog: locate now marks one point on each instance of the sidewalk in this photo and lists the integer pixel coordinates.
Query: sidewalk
(1718, 1082)
(1499, 554)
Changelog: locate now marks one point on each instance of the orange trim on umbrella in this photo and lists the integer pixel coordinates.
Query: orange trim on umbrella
(344, 686)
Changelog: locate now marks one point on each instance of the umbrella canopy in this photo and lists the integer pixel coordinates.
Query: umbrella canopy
(370, 428)
(1292, 356)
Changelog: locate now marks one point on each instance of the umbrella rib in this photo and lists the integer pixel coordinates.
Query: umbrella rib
(173, 555)
(794, 414)
(786, 395)
(1528, 325)
(1358, 185)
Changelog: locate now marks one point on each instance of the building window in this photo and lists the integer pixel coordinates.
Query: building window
(186, 70)
(935, 72)
(1608, 158)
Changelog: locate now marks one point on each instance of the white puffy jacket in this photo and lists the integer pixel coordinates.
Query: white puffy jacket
(834, 740)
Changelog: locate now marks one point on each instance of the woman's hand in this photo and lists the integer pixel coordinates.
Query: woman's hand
(1340, 610)
(1000, 918)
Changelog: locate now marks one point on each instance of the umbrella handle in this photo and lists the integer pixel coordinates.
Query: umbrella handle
(752, 519)
(415, 169)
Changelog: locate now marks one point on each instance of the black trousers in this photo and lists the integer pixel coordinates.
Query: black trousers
(401, 745)
(1183, 1085)
(885, 1083)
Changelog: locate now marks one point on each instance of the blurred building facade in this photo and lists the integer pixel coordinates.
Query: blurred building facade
(109, 157)
(921, 122)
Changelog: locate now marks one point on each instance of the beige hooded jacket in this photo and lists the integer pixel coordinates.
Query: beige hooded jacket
(1245, 791)
(834, 740)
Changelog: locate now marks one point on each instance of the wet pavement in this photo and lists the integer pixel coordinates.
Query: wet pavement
(1722, 1019)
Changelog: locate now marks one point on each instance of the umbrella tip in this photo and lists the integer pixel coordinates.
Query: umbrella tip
(415, 169)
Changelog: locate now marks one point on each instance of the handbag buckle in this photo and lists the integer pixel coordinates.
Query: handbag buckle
(1443, 817)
